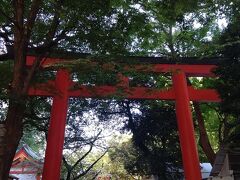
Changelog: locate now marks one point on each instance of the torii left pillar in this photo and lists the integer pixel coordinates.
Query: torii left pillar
(56, 131)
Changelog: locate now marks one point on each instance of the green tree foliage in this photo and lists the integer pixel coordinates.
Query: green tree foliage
(83, 135)
(112, 163)
(177, 28)
(228, 83)
(155, 147)
(166, 28)
(125, 156)
(81, 26)
(99, 26)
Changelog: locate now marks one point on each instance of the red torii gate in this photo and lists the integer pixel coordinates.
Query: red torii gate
(180, 92)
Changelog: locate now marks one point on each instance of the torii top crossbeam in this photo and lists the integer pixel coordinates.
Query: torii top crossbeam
(64, 87)
(197, 68)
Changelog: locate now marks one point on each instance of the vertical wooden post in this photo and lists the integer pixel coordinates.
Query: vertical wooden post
(185, 127)
(56, 132)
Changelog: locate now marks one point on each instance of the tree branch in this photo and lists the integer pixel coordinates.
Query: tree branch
(130, 118)
(221, 119)
(68, 167)
(66, 163)
(55, 22)
(49, 42)
(79, 160)
(31, 18)
(95, 176)
(90, 167)
(204, 140)
(18, 14)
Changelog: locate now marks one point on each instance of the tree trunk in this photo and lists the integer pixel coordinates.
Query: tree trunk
(17, 100)
(14, 119)
(204, 140)
(13, 127)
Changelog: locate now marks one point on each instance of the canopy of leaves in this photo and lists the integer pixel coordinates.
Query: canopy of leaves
(79, 26)
(229, 79)
(165, 28)
(155, 147)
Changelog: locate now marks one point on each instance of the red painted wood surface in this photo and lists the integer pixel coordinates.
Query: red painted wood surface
(53, 154)
(83, 91)
(180, 92)
(185, 128)
(199, 70)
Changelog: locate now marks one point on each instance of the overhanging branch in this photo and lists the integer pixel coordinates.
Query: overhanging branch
(90, 167)
(31, 17)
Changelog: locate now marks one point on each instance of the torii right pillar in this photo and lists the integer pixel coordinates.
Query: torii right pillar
(188, 145)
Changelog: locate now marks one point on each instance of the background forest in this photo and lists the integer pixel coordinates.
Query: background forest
(125, 138)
